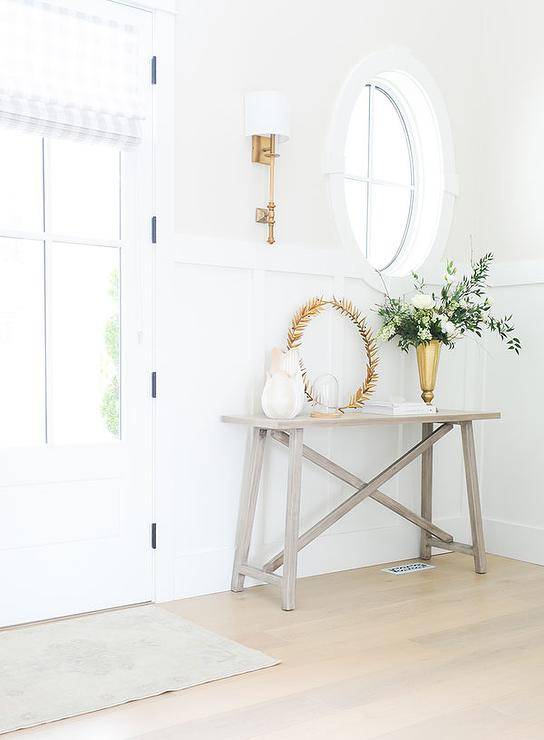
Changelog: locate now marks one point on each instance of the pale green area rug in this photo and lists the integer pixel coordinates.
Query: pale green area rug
(61, 669)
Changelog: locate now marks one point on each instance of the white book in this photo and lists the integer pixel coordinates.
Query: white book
(398, 408)
(395, 404)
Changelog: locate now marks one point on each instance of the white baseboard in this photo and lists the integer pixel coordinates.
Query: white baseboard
(513, 540)
(458, 526)
(209, 571)
(205, 572)
(348, 550)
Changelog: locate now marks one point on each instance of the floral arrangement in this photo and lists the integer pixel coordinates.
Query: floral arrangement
(459, 308)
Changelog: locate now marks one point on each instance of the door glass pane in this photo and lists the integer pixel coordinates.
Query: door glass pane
(390, 152)
(21, 181)
(356, 205)
(85, 189)
(22, 387)
(356, 152)
(83, 359)
(389, 213)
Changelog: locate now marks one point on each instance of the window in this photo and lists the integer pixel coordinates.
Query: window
(379, 172)
(73, 98)
(391, 166)
(60, 249)
(71, 73)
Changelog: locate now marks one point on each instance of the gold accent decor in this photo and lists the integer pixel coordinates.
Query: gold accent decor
(263, 151)
(260, 149)
(428, 356)
(345, 308)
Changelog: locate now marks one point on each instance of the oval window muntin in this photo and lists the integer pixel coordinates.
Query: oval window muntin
(387, 68)
(381, 86)
(403, 113)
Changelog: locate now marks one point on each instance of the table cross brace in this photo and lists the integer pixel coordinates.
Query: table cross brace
(364, 490)
(292, 437)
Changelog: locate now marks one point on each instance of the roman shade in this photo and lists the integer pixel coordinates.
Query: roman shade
(64, 72)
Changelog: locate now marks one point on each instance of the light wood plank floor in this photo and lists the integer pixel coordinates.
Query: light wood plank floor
(441, 653)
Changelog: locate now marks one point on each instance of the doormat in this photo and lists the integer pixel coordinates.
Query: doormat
(61, 669)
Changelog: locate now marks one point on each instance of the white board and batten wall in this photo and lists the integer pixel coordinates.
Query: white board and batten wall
(512, 226)
(234, 295)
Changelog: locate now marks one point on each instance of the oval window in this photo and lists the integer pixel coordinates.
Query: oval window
(391, 165)
(379, 176)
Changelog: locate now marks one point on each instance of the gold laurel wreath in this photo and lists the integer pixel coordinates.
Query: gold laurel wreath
(313, 308)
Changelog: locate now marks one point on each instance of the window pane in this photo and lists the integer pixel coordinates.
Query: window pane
(21, 181)
(390, 152)
(356, 152)
(85, 182)
(356, 205)
(22, 378)
(389, 213)
(83, 360)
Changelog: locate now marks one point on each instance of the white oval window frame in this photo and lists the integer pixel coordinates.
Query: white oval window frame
(398, 70)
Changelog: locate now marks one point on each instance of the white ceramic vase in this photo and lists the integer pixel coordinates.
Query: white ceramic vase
(283, 393)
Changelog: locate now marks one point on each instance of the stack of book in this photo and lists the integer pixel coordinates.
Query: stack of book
(398, 408)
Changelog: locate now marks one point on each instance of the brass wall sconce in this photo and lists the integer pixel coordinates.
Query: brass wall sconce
(267, 122)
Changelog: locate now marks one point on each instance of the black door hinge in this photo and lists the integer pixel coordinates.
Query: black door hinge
(153, 70)
(154, 536)
(154, 384)
(154, 230)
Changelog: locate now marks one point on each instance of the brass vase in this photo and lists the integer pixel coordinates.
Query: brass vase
(427, 365)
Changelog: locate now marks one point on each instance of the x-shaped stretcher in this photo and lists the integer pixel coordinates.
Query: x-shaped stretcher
(290, 433)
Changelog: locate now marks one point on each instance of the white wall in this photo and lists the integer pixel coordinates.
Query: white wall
(512, 216)
(512, 452)
(307, 50)
(512, 226)
(233, 295)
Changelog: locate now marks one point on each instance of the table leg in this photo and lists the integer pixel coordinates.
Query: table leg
(426, 493)
(473, 493)
(248, 504)
(292, 519)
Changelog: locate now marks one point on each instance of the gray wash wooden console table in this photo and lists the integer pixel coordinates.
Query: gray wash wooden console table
(289, 432)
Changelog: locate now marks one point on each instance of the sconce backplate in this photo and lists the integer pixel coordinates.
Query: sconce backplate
(260, 149)
(261, 215)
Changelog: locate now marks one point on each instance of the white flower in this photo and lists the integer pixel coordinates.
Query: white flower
(449, 329)
(423, 300)
(386, 332)
(424, 335)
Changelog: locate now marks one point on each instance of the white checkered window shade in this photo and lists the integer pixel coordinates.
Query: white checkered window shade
(70, 74)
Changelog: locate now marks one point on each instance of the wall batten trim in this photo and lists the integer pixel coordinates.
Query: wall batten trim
(161, 6)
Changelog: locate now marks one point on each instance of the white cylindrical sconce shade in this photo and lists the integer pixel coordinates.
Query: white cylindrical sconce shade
(267, 112)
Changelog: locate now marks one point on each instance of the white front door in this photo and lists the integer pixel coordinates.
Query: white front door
(76, 265)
